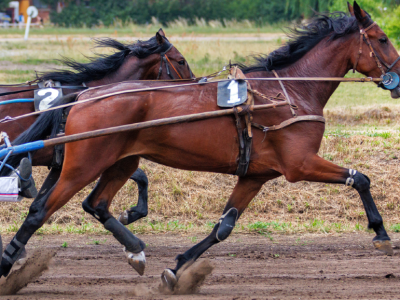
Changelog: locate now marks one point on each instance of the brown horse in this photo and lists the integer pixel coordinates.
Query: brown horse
(327, 47)
(139, 61)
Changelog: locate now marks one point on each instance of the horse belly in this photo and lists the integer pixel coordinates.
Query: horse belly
(208, 145)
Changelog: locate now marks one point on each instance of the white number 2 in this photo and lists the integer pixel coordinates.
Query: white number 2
(46, 102)
(234, 88)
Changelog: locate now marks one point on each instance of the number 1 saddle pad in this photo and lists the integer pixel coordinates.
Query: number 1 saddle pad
(232, 93)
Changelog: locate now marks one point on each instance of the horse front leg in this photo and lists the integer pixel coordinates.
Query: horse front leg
(44, 205)
(314, 168)
(244, 191)
(141, 209)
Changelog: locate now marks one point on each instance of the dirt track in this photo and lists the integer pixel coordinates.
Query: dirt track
(246, 267)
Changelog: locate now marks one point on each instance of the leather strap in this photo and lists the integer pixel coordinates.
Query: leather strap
(286, 94)
(179, 75)
(245, 136)
(378, 60)
(313, 118)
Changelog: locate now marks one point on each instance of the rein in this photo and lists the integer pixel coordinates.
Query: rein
(337, 79)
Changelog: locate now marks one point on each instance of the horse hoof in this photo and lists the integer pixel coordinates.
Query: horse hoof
(168, 279)
(384, 246)
(123, 217)
(5, 268)
(137, 261)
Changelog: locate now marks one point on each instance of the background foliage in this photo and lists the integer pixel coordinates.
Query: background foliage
(81, 13)
(84, 13)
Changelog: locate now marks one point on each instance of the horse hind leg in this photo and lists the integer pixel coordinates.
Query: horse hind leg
(319, 170)
(141, 209)
(98, 202)
(244, 191)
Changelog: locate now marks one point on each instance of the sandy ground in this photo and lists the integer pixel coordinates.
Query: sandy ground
(246, 267)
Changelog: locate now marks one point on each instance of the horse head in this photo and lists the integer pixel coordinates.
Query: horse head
(376, 55)
(157, 58)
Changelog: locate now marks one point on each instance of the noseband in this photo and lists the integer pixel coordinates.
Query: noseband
(165, 59)
(390, 79)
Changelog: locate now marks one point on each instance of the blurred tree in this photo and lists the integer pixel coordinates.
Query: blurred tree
(259, 11)
(4, 4)
(296, 9)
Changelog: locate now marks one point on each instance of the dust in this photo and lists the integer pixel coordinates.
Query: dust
(141, 290)
(190, 277)
(34, 266)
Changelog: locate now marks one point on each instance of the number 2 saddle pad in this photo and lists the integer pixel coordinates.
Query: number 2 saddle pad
(232, 93)
(45, 97)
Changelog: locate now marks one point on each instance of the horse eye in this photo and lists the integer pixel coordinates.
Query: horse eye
(181, 62)
(383, 40)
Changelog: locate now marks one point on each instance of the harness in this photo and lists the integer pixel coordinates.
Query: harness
(245, 135)
(390, 80)
(58, 154)
(164, 59)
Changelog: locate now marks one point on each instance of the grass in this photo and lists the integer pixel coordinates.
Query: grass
(176, 27)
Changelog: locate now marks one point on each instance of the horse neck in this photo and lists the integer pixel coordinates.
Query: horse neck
(327, 59)
(133, 68)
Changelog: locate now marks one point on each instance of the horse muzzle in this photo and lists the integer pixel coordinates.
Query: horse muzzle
(395, 93)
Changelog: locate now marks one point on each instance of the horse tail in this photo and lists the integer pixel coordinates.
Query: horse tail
(46, 125)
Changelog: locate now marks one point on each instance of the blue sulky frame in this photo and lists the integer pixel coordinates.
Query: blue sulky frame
(7, 150)
(17, 101)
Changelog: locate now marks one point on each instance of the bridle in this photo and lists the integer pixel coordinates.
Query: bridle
(390, 80)
(165, 59)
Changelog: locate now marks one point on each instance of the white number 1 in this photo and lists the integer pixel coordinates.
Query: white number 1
(234, 88)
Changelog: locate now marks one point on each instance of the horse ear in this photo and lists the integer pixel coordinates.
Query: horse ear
(359, 13)
(161, 32)
(351, 9)
(159, 38)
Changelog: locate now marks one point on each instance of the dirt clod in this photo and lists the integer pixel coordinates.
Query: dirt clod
(33, 268)
(192, 277)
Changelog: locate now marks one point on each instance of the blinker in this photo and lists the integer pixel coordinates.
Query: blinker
(390, 80)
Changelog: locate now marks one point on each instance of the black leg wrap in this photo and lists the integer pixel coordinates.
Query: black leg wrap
(362, 184)
(141, 209)
(360, 181)
(197, 250)
(124, 236)
(226, 224)
(10, 256)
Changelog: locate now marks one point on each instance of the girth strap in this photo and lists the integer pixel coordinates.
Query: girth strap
(288, 122)
(245, 135)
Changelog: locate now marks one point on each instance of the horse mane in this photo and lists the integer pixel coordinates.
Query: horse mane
(102, 65)
(302, 39)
